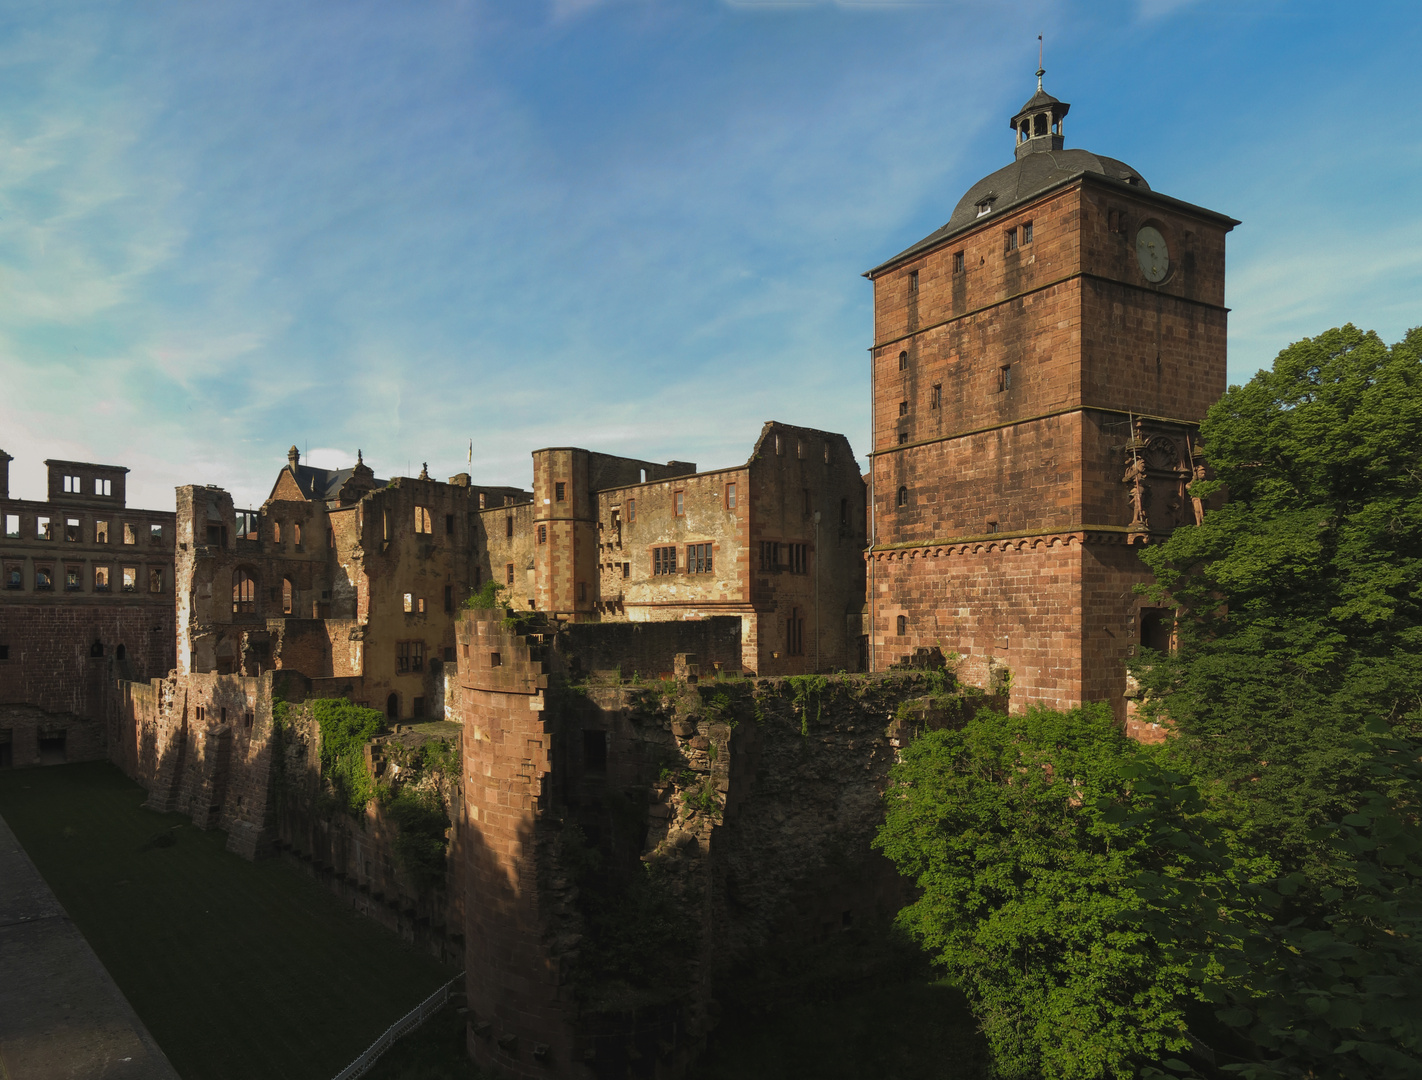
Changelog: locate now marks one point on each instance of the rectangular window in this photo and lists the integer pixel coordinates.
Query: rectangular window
(130, 579)
(101, 532)
(129, 538)
(935, 396)
(1011, 237)
(508, 529)
(992, 526)
(12, 526)
(101, 579)
(769, 556)
(155, 579)
(449, 600)
(560, 490)
(679, 503)
(631, 510)
(71, 530)
(42, 529)
(417, 656)
(296, 534)
(627, 570)
(582, 592)
(44, 578)
(14, 576)
(71, 579)
(543, 534)
(420, 605)
(509, 574)
(103, 487)
(903, 408)
(698, 558)
(73, 485)
(331, 539)
(402, 657)
(1026, 232)
(155, 534)
(957, 262)
(903, 437)
(496, 660)
(913, 281)
(448, 524)
(795, 633)
(799, 558)
(730, 496)
(276, 532)
(1004, 378)
(409, 603)
(449, 654)
(663, 560)
(422, 520)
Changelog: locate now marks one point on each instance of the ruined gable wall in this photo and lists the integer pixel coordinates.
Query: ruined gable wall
(501, 546)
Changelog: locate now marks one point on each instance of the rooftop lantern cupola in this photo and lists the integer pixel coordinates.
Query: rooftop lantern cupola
(1038, 124)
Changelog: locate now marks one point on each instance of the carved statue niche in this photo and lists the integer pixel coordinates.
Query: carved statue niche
(1156, 477)
(1138, 493)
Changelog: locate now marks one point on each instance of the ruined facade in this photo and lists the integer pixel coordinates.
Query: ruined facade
(776, 542)
(86, 597)
(1040, 368)
(352, 581)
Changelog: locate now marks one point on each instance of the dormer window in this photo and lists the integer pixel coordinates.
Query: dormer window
(985, 204)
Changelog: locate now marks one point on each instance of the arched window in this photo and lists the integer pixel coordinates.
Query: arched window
(120, 653)
(276, 532)
(96, 649)
(902, 497)
(903, 361)
(903, 625)
(288, 596)
(244, 593)
(392, 707)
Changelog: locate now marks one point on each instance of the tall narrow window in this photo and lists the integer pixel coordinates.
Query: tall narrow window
(288, 596)
(448, 524)
(1004, 378)
(129, 538)
(679, 503)
(101, 579)
(913, 281)
(903, 408)
(508, 529)
(296, 534)
(449, 598)
(1011, 237)
(12, 527)
(730, 496)
(244, 592)
(508, 573)
(276, 532)
(44, 579)
(957, 262)
(543, 534)
(72, 581)
(903, 361)
(795, 633)
(903, 437)
(155, 579)
(422, 520)
(560, 491)
(935, 396)
(130, 581)
(1026, 232)
(101, 532)
(631, 511)
(409, 603)
(71, 530)
(902, 497)
(902, 626)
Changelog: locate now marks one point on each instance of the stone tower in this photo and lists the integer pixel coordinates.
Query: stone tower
(1040, 366)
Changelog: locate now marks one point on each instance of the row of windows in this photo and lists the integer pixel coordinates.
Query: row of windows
(130, 579)
(74, 485)
(935, 393)
(664, 561)
(415, 605)
(775, 556)
(72, 530)
(1016, 237)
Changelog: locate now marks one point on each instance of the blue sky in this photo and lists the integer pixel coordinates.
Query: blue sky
(632, 225)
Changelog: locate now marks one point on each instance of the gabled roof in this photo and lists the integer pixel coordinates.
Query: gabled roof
(324, 484)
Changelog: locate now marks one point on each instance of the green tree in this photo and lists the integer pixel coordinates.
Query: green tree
(1051, 851)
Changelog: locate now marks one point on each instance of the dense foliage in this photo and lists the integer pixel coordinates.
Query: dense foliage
(345, 729)
(1249, 895)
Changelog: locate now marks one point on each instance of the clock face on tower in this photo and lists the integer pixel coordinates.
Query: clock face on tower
(1151, 253)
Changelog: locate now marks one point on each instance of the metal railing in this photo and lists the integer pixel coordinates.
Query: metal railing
(407, 1023)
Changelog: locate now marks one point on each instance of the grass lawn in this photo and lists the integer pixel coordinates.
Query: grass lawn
(240, 970)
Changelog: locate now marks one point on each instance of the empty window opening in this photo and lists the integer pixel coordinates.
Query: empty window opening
(72, 581)
(14, 576)
(12, 526)
(296, 534)
(73, 485)
(779, 445)
(422, 520)
(902, 498)
(698, 558)
(130, 579)
(595, 751)
(52, 750)
(409, 603)
(992, 526)
(155, 579)
(331, 539)
(903, 437)
(730, 496)
(795, 633)
(508, 526)
(958, 262)
(679, 503)
(1157, 626)
(769, 555)
(1004, 378)
(903, 408)
(902, 625)
(101, 532)
(288, 596)
(101, 579)
(508, 573)
(103, 487)
(913, 281)
(244, 592)
(449, 600)
(420, 605)
(543, 534)
(643, 476)
(560, 491)
(276, 532)
(155, 534)
(216, 535)
(96, 649)
(42, 531)
(807, 509)
(1026, 232)
(448, 524)
(496, 660)
(663, 560)
(247, 718)
(71, 530)
(1039, 124)
(130, 538)
(466, 650)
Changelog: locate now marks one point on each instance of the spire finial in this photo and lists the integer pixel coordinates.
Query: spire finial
(1040, 69)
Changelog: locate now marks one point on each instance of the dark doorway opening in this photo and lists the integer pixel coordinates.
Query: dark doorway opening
(392, 707)
(52, 750)
(1157, 628)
